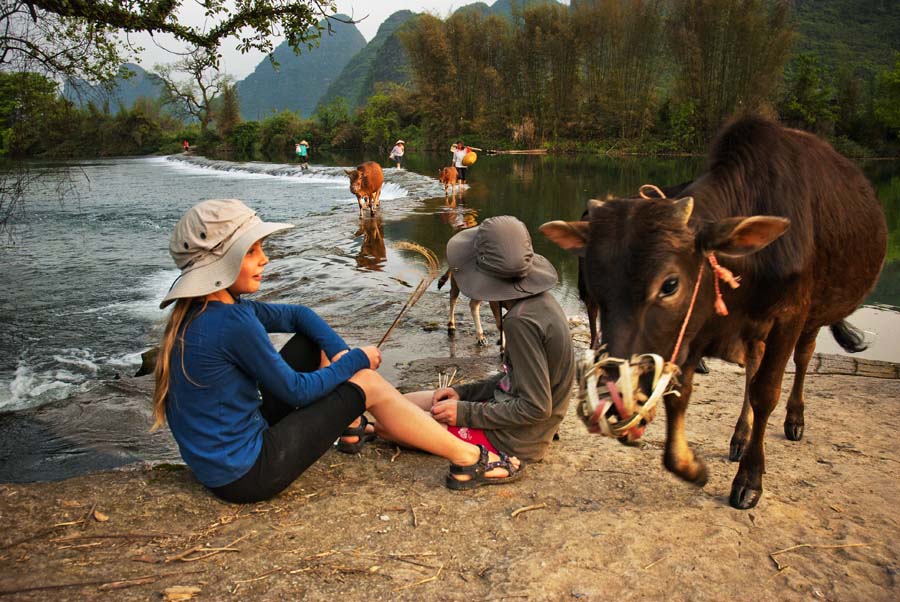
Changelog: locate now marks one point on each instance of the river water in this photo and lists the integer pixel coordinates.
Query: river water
(84, 273)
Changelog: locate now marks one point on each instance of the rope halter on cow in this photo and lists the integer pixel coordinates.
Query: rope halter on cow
(631, 389)
(630, 393)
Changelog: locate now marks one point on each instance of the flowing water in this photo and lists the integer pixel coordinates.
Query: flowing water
(84, 273)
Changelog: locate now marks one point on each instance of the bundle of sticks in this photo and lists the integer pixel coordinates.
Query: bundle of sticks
(445, 380)
(433, 270)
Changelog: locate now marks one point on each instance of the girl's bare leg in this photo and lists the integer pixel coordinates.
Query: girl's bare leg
(421, 399)
(401, 420)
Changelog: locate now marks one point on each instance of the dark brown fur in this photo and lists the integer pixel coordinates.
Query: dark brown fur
(794, 281)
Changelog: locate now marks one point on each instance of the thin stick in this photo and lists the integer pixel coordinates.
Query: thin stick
(423, 581)
(780, 568)
(452, 376)
(527, 509)
(183, 556)
(433, 266)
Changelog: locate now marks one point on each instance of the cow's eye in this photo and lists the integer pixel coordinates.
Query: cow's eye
(669, 286)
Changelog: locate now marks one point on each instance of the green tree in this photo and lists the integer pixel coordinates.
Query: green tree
(228, 113)
(28, 111)
(379, 122)
(278, 134)
(887, 98)
(729, 54)
(808, 102)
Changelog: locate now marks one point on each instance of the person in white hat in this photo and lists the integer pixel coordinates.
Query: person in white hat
(247, 419)
(397, 153)
(520, 409)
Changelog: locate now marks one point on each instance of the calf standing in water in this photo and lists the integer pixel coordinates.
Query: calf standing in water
(366, 182)
(797, 222)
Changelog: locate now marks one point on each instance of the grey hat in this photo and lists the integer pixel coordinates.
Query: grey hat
(496, 262)
(209, 244)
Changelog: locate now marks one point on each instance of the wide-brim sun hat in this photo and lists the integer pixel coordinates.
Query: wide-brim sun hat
(209, 244)
(304, 142)
(400, 142)
(496, 262)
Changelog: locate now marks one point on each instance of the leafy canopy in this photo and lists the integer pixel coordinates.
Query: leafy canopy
(81, 38)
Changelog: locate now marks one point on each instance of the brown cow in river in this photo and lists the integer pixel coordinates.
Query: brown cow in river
(799, 224)
(449, 178)
(365, 182)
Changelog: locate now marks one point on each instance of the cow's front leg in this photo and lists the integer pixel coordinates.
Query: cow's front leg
(359, 200)
(454, 297)
(746, 489)
(375, 201)
(679, 457)
(498, 320)
(741, 436)
(475, 308)
(803, 352)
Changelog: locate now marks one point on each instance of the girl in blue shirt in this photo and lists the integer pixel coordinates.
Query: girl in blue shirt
(249, 420)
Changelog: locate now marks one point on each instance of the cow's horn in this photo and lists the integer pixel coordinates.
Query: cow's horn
(685, 207)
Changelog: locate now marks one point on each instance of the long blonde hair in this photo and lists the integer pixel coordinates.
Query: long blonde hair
(174, 331)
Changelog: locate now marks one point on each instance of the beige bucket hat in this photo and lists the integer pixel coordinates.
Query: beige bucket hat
(496, 262)
(209, 243)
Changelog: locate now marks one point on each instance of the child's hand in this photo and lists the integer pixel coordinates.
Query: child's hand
(445, 411)
(442, 394)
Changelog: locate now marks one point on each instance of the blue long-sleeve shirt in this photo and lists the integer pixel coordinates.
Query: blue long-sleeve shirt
(213, 403)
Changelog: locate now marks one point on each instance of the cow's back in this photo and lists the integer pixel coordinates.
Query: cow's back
(833, 251)
(372, 176)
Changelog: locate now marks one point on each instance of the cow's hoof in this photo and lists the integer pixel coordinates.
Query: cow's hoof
(744, 498)
(482, 342)
(738, 447)
(451, 331)
(694, 472)
(793, 430)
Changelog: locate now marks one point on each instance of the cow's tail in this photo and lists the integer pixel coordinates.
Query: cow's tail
(849, 337)
(443, 279)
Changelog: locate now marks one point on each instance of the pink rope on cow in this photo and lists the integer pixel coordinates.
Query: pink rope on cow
(687, 317)
(726, 276)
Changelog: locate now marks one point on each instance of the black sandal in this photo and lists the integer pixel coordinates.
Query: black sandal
(476, 472)
(356, 431)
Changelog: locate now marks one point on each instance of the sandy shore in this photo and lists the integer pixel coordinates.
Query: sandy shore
(595, 521)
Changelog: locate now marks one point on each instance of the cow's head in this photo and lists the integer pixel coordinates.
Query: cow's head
(355, 179)
(641, 261)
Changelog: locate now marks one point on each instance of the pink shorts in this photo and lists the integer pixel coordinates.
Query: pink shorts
(473, 436)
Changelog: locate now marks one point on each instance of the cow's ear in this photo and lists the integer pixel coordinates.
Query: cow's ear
(571, 236)
(349, 172)
(739, 236)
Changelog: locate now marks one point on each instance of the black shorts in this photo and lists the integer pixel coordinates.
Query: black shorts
(296, 437)
(461, 172)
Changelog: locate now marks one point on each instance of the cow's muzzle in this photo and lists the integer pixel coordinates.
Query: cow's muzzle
(618, 398)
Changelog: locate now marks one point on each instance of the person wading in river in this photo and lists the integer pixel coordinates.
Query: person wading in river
(248, 420)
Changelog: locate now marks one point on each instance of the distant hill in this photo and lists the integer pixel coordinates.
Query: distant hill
(861, 33)
(382, 60)
(302, 79)
(124, 90)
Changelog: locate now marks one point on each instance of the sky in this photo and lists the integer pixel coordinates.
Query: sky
(369, 13)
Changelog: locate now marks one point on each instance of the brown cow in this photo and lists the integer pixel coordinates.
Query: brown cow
(448, 177)
(799, 224)
(365, 182)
